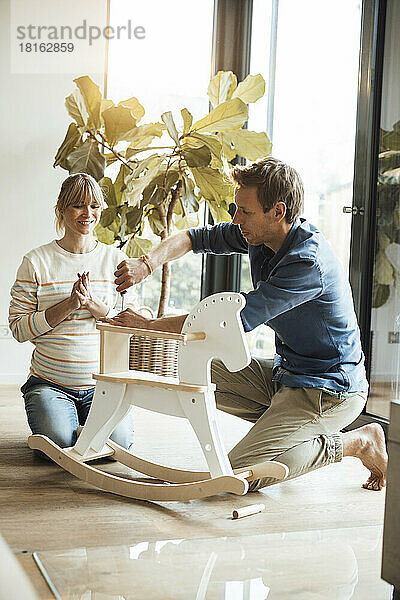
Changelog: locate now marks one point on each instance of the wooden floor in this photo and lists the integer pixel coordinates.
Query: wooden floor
(44, 508)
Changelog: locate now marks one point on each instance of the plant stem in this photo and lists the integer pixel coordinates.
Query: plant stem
(104, 143)
(151, 148)
(166, 268)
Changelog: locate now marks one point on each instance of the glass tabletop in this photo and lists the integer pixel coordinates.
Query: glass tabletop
(330, 564)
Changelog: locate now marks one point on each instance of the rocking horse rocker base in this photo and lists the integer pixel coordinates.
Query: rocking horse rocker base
(219, 333)
(178, 485)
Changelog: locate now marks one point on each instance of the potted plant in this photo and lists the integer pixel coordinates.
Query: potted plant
(162, 171)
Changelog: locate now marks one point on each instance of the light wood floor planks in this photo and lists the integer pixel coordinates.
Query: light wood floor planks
(44, 508)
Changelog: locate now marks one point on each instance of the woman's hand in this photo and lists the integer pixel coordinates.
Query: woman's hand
(83, 291)
(75, 297)
(87, 299)
(129, 318)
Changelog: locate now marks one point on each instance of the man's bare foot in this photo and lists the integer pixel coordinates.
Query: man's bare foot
(368, 444)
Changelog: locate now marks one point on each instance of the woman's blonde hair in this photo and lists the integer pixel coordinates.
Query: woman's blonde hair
(75, 190)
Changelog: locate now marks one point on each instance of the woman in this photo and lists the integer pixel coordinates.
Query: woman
(61, 289)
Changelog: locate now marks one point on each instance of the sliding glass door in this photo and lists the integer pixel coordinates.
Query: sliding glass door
(385, 305)
(309, 110)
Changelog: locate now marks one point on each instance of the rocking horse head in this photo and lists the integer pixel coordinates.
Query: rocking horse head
(218, 316)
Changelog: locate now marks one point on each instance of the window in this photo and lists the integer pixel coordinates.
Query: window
(172, 72)
(309, 110)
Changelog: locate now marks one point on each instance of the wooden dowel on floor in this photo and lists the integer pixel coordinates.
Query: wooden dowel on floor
(246, 511)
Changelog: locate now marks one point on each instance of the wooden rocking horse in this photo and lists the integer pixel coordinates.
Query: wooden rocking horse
(168, 373)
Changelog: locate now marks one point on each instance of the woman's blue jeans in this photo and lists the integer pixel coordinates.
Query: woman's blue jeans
(56, 412)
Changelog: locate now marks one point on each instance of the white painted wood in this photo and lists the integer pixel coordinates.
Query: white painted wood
(219, 317)
(201, 412)
(150, 379)
(107, 410)
(213, 329)
(166, 335)
(114, 351)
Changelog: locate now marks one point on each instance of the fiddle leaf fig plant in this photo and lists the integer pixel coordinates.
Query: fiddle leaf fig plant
(160, 173)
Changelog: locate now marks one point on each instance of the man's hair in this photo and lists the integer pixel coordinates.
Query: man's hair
(76, 189)
(275, 182)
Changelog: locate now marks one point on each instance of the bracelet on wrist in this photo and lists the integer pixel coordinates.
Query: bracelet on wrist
(144, 258)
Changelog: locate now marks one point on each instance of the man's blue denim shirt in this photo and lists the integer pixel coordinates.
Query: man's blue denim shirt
(303, 294)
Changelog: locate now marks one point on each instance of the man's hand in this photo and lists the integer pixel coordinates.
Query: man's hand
(129, 318)
(130, 272)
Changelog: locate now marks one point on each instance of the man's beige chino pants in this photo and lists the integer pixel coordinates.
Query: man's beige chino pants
(296, 426)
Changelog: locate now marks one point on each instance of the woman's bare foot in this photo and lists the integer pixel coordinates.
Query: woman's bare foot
(368, 444)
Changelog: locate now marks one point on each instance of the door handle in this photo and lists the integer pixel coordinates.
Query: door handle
(355, 210)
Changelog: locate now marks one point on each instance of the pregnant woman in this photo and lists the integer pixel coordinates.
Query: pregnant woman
(61, 289)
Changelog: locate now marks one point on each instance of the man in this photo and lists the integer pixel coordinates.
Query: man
(316, 384)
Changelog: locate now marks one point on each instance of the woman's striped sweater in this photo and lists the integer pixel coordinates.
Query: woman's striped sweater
(67, 354)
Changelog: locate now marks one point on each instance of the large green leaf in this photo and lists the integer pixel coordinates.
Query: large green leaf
(221, 87)
(140, 179)
(104, 234)
(380, 295)
(197, 157)
(229, 115)
(219, 213)
(137, 246)
(75, 106)
(251, 89)
(142, 136)
(118, 122)
(107, 187)
(133, 218)
(92, 98)
(389, 160)
(108, 215)
(155, 222)
(71, 141)
(153, 194)
(212, 184)
(105, 104)
(213, 144)
(392, 176)
(160, 186)
(188, 221)
(189, 201)
(390, 140)
(383, 269)
(247, 144)
(171, 127)
(187, 120)
(134, 106)
(110, 158)
(119, 183)
(87, 159)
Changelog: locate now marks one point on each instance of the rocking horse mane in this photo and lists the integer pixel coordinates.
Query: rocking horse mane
(218, 316)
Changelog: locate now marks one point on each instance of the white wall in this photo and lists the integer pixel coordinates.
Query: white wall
(34, 121)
